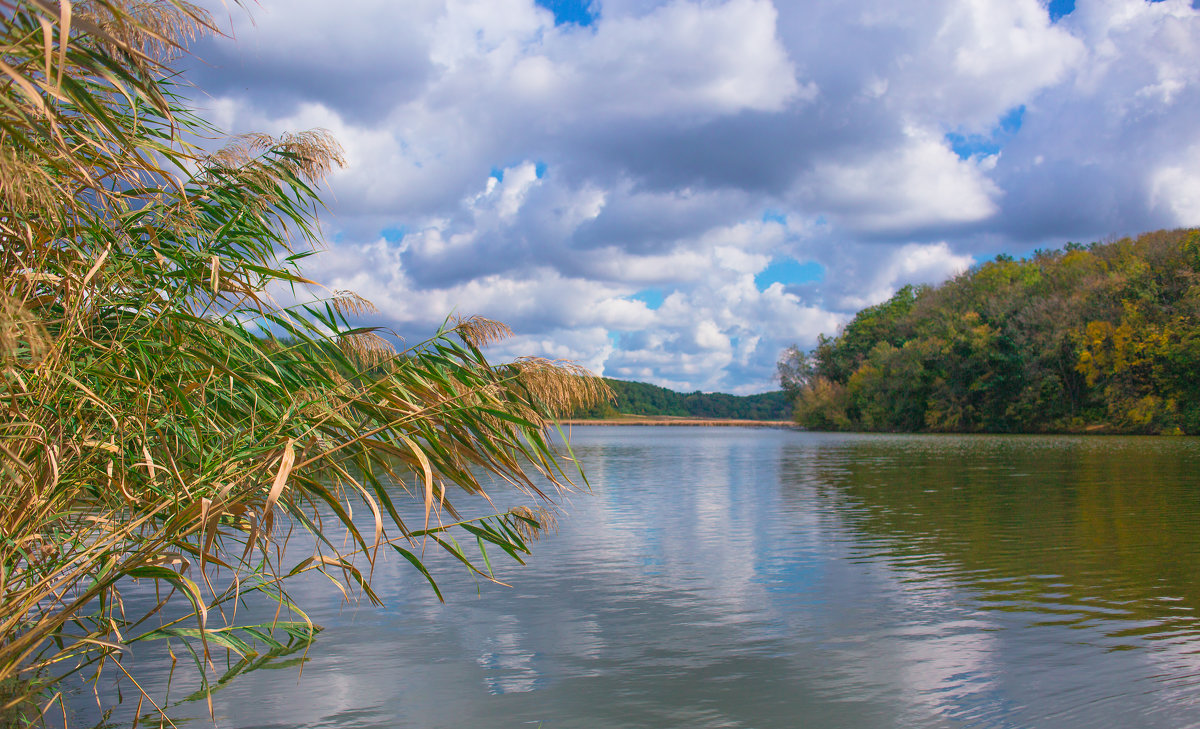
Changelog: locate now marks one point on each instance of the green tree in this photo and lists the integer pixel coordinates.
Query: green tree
(889, 390)
(1102, 336)
(796, 370)
(886, 322)
(822, 405)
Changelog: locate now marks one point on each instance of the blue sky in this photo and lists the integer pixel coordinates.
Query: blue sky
(579, 12)
(970, 145)
(676, 191)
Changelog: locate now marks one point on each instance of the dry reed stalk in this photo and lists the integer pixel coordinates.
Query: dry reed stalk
(162, 418)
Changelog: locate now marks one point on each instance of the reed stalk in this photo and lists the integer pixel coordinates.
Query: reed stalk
(162, 415)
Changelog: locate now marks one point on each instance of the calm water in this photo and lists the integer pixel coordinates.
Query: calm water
(727, 577)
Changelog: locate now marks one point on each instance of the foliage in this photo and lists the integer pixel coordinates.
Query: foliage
(166, 420)
(640, 398)
(881, 323)
(796, 371)
(1098, 337)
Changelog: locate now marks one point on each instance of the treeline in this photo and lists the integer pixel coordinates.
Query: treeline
(1102, 337)
(640, 398)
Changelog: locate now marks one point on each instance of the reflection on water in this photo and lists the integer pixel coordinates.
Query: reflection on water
(753, 578)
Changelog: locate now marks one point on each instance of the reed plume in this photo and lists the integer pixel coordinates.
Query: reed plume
(162, 417)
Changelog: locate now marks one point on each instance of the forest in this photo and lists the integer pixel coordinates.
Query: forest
(1089, 338)
(640, 398)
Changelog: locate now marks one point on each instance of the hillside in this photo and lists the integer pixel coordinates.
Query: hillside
(1097, 338)
(640, 398)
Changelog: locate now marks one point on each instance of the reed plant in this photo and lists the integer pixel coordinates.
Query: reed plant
(165, 419)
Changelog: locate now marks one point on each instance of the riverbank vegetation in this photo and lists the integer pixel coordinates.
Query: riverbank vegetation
(175, 402)
(640, 398)
(1091, 338)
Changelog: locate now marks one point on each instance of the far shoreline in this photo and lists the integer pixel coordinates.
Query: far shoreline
(1092, 431)
(676, 420)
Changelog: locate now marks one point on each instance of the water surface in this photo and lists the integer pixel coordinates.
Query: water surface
(729, 577)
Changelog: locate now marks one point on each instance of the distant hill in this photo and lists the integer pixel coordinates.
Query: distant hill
(640, 398)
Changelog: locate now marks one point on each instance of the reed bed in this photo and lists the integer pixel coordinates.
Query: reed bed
(163, 413)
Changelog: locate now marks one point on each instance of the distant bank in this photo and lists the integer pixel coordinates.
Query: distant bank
(639, 399)
(680, 420)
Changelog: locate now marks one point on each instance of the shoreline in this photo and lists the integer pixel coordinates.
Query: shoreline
(1093, 431)
(675, 420)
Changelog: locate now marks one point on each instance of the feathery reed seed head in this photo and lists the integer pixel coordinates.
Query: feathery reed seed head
(367, 349)
(479, 332)
(543, 520)
(562, 386)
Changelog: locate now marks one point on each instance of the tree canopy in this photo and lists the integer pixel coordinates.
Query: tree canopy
(641, 398)
(1101, 337)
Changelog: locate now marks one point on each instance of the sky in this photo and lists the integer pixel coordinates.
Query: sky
(674, 192)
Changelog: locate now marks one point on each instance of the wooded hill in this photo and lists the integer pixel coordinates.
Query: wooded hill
(640, 398)
(1101, 337)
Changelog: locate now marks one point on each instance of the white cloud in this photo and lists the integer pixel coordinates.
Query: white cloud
(922, 183)
(913, 263)
(1176, 188)
(682, 147)
(688, 57)
(997, 54)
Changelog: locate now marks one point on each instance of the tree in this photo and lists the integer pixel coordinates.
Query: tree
(165, 419)
(796, 370)
(1103, 336)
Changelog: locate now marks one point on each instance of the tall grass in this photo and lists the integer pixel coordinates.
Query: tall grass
(161, 414)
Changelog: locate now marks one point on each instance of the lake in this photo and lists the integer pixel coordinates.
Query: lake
(737, 577)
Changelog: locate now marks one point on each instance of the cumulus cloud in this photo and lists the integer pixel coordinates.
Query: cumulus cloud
(625, 192)
(984, 58)
(1175, 188)
(922, 183)
(891, 268)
